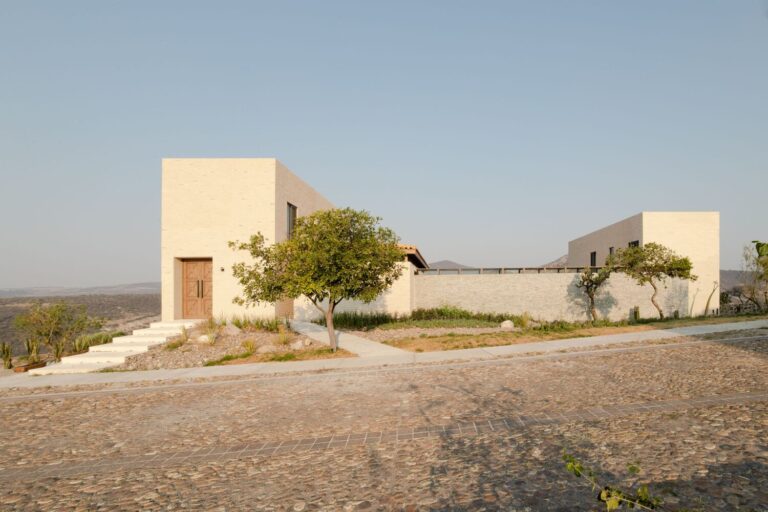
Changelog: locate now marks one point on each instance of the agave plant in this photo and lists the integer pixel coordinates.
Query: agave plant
(33, 349)
(5, 353)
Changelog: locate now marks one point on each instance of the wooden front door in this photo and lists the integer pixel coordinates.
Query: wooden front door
(198, 288)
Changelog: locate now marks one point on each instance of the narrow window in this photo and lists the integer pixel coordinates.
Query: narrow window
(593, 259)
(291, 219)
(610, 251)
(635, 243)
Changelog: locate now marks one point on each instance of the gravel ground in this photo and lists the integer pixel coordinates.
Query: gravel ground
(712, 456)
(196, 353)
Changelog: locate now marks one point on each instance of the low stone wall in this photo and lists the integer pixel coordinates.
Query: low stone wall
(546, 296)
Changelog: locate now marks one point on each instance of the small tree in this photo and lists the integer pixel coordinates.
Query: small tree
(55, 325)
(652, 264)
(590, 281)
(332, 255)
(755, 286)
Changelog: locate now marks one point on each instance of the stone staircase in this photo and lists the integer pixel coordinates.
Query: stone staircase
(103, 356)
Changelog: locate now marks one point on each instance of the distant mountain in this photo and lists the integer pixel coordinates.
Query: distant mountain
(729, 279)
(51, 291)
(560, 262)
(447, 265)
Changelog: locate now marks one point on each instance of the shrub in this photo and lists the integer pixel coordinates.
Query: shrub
(83, 342)
(247, 323)
(212, 329)
(33, 349)
(249, 346)
(6, 354)
(56, 325)
(283, 338)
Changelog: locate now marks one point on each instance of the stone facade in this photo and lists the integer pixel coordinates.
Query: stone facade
(545, 296)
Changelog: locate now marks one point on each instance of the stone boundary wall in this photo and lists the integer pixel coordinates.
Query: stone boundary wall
(545, 296)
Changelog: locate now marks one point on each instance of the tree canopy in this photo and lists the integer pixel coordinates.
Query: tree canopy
(331, 256)
(652, 264)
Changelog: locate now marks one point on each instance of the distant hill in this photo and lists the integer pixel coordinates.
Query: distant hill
(560, 262)
(119, 289)
(447, 265)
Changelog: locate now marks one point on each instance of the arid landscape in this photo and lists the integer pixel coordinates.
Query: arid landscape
(123, 312)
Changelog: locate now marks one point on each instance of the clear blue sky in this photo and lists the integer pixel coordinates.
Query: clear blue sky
(489, 133)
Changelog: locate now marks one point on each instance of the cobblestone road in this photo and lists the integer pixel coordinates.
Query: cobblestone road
(449, 437)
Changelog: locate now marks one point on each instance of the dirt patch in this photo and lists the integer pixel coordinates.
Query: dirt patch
(230, 342)
(427, 342)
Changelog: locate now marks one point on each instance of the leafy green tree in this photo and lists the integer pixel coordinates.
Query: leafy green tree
(652, 264)
(55, 325)
(590, 281)
(332, 255)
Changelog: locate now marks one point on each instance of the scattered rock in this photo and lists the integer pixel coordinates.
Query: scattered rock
(507, 325)
(203, 338)
(297, 345)
(230, 330)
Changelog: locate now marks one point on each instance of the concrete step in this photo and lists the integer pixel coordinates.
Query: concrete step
(136, 347)
(61, 368)
(140, 339)
(97, 357)
(175, 324)
(157, 332)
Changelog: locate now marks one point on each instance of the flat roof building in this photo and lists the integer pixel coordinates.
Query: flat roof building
(695, 235)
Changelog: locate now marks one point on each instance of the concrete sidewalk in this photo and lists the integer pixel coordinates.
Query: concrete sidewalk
(396, 357)
(355, 344)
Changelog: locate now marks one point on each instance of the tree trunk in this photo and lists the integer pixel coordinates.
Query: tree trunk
(653, 299)
(592, 308)
(329, 324)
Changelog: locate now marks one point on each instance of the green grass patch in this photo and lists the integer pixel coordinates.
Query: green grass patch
(228, 357)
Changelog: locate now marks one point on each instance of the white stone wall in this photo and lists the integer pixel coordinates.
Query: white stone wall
(399, 299)
(544, 296)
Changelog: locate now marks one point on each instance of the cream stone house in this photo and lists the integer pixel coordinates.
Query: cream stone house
(207, 202)
(692, 234)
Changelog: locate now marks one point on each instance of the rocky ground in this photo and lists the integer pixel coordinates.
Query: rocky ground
(198, 350)
(480, 436)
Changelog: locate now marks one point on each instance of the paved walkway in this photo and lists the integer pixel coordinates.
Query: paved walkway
(355, 344)
(372, 359)
(484, 434)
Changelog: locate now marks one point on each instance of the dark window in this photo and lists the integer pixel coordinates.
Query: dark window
(291, 219)
(593, 259)
(610, 251)
(635, 243)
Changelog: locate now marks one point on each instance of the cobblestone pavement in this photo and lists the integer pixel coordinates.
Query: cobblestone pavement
(464, 437)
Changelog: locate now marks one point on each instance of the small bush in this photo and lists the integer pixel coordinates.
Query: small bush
(33, 349)
(249, 346)
(283, 338)
(211, 329)
(83, 342)
(6, 354)
(247, 323)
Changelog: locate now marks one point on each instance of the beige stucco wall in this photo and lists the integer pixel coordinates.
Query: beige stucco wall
(697, 236)
(207, 202)
(692, 234)
(544, 296)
